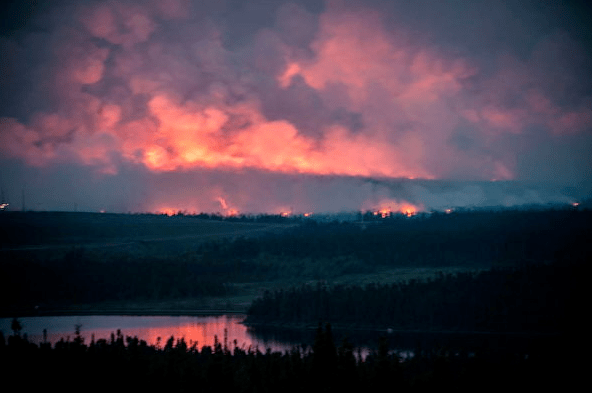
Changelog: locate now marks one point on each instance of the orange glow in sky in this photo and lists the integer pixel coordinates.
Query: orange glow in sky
(347, 89)
(409, 210)
(167, 211)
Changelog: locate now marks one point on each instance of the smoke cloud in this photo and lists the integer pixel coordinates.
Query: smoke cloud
(281, 106)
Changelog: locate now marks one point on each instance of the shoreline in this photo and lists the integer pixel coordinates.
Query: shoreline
(392, 331)
(264, 325)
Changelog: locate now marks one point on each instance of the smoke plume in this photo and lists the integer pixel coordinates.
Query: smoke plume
(278, 106)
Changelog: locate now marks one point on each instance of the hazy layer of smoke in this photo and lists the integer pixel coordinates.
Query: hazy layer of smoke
(240, 100)
(136, 189)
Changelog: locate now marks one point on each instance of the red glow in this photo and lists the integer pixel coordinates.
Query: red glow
(229, 211)
(232, 212)
(409, 210)
(392, 206)
(167, 211)
(222, 203)
(385, 212)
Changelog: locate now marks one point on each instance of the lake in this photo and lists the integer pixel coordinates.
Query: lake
(203, 330)
(200, 329)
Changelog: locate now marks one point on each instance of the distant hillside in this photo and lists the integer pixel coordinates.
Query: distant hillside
(62, 259)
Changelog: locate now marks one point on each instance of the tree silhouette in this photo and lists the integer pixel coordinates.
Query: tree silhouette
(16, 326)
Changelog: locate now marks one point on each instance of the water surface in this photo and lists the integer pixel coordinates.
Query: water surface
(204, 330)
(153, 329)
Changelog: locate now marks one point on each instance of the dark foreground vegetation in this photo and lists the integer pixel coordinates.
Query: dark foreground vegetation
(128, 364)
(157, 258)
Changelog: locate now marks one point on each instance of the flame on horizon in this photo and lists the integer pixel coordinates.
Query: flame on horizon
(167, 211)
(388, 207)
(223, 203)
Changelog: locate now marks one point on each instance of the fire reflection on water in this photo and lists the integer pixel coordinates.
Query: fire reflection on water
(155, 330)
(205, 330)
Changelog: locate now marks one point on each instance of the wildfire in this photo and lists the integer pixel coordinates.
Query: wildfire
(384, 213)
(232, 212)
(229, 211)
(167, 211)
(223, 203)
(409, 210)
(389, 207)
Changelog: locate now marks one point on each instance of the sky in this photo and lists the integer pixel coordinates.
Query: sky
(301, 106)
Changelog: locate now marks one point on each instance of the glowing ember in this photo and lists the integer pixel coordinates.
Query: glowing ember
(232, 212)
(409, 211)
(384, 212)
(389, 207)
(167, 211)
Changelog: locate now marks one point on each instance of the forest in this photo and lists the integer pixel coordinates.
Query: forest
(292, 253)
(530, 299)
(521, 275)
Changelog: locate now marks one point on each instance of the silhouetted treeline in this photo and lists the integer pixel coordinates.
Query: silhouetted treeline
(537, 298)
(129, 364)
(478, 238)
